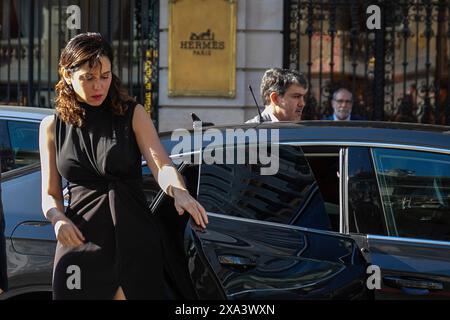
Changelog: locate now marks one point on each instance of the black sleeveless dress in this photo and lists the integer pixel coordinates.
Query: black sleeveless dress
(102, 163)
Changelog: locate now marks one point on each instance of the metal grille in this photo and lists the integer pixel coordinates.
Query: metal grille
(33, 33)
(399, 72)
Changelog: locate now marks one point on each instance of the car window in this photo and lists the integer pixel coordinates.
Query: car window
(6, 153)
(289, 196)
(365, 208)
(415, 192)
(324, 162)
(24, 135)
(24, 139)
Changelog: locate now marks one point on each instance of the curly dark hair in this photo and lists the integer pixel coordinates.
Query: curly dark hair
(85, 48)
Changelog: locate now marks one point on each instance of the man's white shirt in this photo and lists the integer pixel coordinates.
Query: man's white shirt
(267, 115)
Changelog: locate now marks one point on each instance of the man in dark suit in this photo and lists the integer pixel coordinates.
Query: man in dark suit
(342, 104)
(283, 92)
(3, 277)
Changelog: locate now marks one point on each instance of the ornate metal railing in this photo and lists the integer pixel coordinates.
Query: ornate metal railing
(33, 33)
(398, 72)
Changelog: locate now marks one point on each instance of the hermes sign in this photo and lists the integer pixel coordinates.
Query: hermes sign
(202, 43)
(202, 48)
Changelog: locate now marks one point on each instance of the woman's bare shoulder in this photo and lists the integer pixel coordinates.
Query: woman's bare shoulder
(139, 109)
(48, 125)
(139, 114)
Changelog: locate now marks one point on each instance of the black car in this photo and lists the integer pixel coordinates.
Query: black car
(348, 199)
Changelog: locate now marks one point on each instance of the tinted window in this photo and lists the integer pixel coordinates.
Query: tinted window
(24, 135)
(415, 191)
(365, 208)
(6, 154)
(24, 139)
(285, 197)
(324, 162)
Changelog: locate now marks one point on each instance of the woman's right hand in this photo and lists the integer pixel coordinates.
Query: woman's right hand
(67, 233)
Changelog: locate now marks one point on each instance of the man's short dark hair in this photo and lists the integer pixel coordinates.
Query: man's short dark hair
(279, 80)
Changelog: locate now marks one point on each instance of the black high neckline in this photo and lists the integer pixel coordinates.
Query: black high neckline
(90, 108)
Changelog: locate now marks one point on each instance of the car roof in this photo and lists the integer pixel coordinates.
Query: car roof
(368, 133)
(25, 112)
(353, 132)
(358, 124)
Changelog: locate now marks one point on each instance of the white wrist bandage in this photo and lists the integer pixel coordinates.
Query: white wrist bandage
(168, 176)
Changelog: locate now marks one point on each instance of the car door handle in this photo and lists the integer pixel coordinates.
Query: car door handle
(36, 223)
(397, 282)
(236, 261)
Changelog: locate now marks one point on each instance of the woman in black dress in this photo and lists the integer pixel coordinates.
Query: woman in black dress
(108, 243)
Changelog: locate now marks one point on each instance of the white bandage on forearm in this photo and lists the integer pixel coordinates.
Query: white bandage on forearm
(168, 176)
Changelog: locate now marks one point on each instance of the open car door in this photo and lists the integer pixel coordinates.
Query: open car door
(251, 249)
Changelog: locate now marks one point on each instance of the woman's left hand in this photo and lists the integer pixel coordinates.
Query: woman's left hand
(185, 202)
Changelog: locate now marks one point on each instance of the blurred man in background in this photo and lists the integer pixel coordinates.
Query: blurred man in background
(342, 104)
